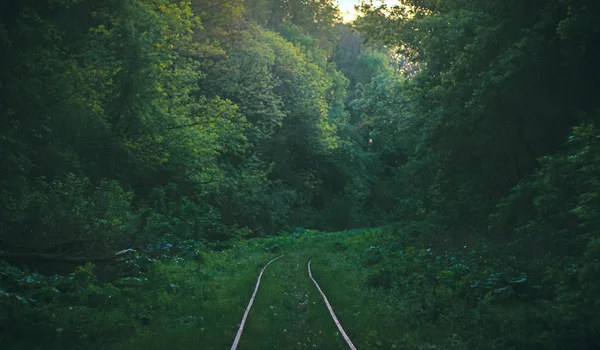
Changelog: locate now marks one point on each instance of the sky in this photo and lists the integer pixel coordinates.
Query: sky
(347, 7)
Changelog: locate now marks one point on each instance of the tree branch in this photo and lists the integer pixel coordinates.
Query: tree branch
(64, 244)
(60, 258)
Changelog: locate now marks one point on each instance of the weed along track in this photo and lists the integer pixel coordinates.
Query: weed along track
(241, 329)
(283, 306)
(289, 313)
(298, 310)
(335, 319)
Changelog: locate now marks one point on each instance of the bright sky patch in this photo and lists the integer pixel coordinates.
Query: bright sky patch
(348, 11)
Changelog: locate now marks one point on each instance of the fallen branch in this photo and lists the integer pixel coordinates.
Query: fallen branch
(65, 244)
(15, 245)
(61, 258)
(48, 248)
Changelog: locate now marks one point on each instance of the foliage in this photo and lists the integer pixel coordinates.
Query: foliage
(176, 144)
(492, 95)
(170, 289)
(147, 117)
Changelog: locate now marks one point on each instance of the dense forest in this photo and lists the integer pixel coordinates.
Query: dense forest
(157, 153)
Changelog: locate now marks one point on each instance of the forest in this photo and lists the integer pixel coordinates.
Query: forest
(438, 160)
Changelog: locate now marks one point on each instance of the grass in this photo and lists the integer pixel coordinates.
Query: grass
(288, 312)
(387, 291)
(214, 294)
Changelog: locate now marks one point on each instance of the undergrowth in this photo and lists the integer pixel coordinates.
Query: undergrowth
(387, 288)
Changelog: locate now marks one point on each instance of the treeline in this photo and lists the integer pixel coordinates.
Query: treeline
(496, 161)
(125, 121)
(496, 128)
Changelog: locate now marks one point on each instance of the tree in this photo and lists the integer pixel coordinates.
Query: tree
(493, 95)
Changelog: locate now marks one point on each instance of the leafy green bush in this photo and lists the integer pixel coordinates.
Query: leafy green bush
(71, 209)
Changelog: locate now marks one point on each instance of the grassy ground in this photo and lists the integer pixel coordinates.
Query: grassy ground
(215, 297)
(288, 312)
(387, 290)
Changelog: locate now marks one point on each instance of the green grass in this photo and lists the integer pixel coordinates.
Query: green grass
(216, 296)
(288, 312)
(387, 291)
